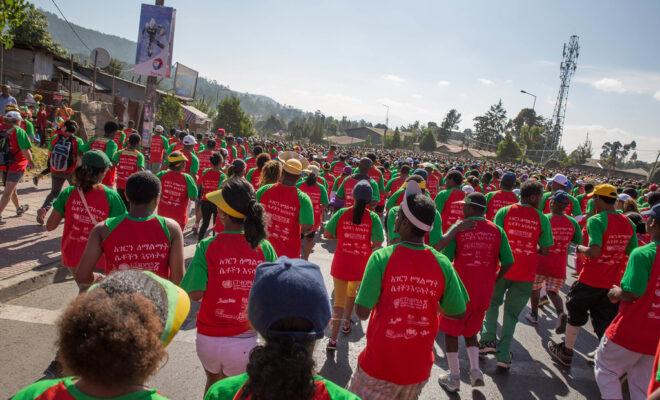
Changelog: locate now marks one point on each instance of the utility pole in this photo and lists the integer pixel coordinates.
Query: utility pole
(70, 79)
(387, 123)
(655, 165)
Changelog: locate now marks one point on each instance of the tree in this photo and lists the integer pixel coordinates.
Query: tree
(526, 116)
(490, 127)
(615, 153)
(508, 149)
(32, 31)
(450, 123)
(273, 124)
(428, 142)
(232, 118)
(115, 67)
(12, 15)
(169, 113)
(396, 139)
(528, 136)
(583, 152)
(467, 137)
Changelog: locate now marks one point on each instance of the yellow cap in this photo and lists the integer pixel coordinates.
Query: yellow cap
(176, 156)
(605, 190)
(293, 162)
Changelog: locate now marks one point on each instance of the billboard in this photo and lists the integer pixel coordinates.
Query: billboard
(185, 81)
(153, 56)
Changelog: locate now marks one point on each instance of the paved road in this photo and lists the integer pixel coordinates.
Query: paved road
(27, 335)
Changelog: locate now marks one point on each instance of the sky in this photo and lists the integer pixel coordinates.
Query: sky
(422, 58)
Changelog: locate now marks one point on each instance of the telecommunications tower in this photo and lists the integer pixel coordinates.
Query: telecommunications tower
(566, 71)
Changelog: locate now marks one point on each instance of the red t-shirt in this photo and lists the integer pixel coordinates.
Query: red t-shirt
(353, 246)
(255, 178)
(338, 168)
(101, 144)
(452, 210)
(204, 158)
(563, 232)
(607, 269)
(126, 166)
(176, 193)
(230, 264)
(118, 141)
(432, 184)
(500, 199)
(314, 193)
(375, 174)
(330, 179)
(16, 145)
(349, 184)
(250, 163)
(637, 325)
(157, 148)
(134, 243)
(397, 184)
(654, 384)
(210, 181)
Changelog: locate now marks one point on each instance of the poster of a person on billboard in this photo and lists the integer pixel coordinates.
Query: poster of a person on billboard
(155, 41)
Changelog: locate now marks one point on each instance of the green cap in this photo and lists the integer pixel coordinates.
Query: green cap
(96, 159)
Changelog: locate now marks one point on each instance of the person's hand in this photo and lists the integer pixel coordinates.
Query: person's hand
(30, 165)
(465, 225)
(615, 294)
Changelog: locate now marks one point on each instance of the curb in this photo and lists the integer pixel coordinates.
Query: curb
(26, 282)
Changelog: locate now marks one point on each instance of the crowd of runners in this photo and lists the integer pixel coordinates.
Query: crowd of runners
(426, 244)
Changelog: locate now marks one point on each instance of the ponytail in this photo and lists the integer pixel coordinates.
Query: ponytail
(239, 194)
(311, 180)
(86, 177)
(358, 211)
(254, 225)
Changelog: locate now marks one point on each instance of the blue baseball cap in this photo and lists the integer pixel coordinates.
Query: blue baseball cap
(509, 177)
(654, 212)
(289, 288)
(560, 196)
(362, 191)
(421, 172)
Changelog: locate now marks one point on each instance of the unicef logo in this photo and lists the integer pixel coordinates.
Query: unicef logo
(157, 63)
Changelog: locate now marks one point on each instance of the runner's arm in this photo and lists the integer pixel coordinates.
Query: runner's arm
(84, 274)
(176, 251)
(53, 220)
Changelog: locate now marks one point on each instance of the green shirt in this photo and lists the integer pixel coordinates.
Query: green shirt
(191, 186)
(41, 389)
(110, 147)
(23, 139)
(139, 156)
(638, 271)
(596, 227)
(454, 297)
(228, 388)
(306, 214)
(375, 193)
(196, 277)
(442, 196)
(434, 236)
(376, 225)
(506, 256)
(115, 203)
(576, 210)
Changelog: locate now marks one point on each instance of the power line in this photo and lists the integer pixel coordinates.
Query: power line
(70, 26)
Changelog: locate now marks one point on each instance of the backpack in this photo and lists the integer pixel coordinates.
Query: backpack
(6, 156)
(61, 156)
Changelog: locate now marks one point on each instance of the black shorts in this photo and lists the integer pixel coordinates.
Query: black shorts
(584, 301)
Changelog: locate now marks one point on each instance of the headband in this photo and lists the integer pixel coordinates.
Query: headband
(412, 188)
(217, 199)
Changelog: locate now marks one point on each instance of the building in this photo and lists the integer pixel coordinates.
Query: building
(594, 166)
(373, 136)
(344, 140)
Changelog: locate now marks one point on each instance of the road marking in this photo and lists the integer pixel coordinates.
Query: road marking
(33, 315)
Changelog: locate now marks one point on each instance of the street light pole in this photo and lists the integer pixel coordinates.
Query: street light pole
(534, 96)
(387, 123)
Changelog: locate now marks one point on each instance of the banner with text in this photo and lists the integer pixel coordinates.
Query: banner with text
(155, 42)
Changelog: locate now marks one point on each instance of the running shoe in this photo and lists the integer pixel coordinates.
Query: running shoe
(22, 209)
(41, 215)
(532, 318)
(332, 345)
(35, 180)
(504, 366)
(561, 324)
(488, 347)
(559, 353)
(449, 382)
(476, 377)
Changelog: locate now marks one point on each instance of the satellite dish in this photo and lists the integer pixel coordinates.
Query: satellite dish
(101, 56)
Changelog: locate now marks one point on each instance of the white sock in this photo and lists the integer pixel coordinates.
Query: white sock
(473, 355)
(454, 367)
(571, 336)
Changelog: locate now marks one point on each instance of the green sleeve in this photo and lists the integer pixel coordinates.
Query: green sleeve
(375, 193)
(192, 187)
(268, 250)
(455, 297)
(110, 149)
(234, 153)
(340, 191)
(227, 388)
(324, 195)
(577, 210)
(23, 139)
(331, 225)
(489, 196)
(577, 233)
(591, 206)
(381, 183)
(60, 201)
(376, 228)
(391, 201)
(450, 250)
(262, 190)
(500, 215)
(632, 243)
(545, 240)
(436, 229)
(82, 146)
(194, 165)
(372, 280)
(117, 206)
(35, 390)
(197, 276)
(248, 176)
(506, 255)
(222, 180)
(441, 199)
(159, 174)
(638, 271)
(335, 186)
(115, 157)
(596, 229)
(391, 218)
(544, 199)
(306, 216)
(388, 186)
(29, 128)
(140, 160)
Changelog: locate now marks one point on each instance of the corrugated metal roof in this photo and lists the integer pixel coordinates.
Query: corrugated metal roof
(82, 78)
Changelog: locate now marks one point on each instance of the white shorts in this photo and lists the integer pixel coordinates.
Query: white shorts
(226, 355)
(612, 361)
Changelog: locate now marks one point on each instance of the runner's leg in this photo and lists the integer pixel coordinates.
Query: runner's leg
(489, 330)
(516, 299)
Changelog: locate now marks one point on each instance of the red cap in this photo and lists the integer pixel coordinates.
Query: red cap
(221, 131)
(653, 187)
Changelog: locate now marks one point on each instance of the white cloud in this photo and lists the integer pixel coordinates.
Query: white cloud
(340, 98)
(300, 92)
(416, 96)
(598, 134)
(609, 85)
(393, 78)
(443, 83)
(657, 95)
(486, 82)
